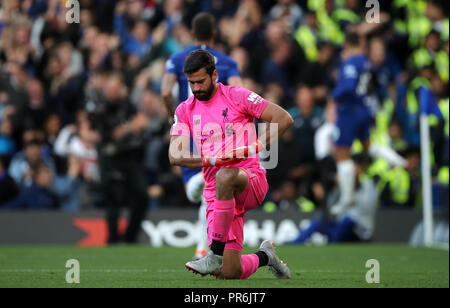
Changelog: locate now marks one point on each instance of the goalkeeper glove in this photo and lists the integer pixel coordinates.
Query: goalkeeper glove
(246, 151)
(214, 161)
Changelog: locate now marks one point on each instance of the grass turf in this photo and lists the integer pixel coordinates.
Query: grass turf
(331, 266)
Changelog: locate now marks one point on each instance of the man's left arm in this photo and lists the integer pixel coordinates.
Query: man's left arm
(274, 115)
(138, 123)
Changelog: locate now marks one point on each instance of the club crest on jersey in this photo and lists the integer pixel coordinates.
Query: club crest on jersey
(225, 115)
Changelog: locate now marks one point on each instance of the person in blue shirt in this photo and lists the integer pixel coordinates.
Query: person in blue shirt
(354, 119)
(203, 31)
(7, 144)
(385, 68)
(8, 188)
(138, 41)
(47, 192)
(356, 223)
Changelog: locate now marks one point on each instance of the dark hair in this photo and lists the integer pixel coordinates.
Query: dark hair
(33, 142)
(395, 122)
(411, 151)
(203, 26)
(362, 159)
(39, 167)
(352, 39)
(198, 59)
(4, 161)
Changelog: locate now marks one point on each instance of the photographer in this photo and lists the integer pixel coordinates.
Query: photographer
(120, 153)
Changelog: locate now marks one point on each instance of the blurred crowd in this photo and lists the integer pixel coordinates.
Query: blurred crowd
(287, 51)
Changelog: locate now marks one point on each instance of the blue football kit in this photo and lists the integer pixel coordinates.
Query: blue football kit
(354, 117)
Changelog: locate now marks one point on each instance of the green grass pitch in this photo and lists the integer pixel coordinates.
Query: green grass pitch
(138, 266)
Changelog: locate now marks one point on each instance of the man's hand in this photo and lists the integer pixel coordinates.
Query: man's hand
(121, 131)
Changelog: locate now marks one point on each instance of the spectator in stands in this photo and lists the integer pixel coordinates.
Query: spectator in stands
(260, 52)
(138, 41)
(13, 84)
(318, 74)
(289, 11)
(78, 142)
(36, 109)
(395, 136)
(47, 191)
(7, 144)
(50, 67)
(8, 188)
(23, 162)
(325, 176)
(357, 223)
(400, 188)
(283, 188)
(385, 70)
(275, 68)
(307, 119)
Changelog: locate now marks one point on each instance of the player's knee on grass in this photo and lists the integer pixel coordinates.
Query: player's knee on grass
(230, 273)
(232, 267)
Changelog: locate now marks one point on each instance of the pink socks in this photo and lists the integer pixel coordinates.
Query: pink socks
(223, 218)
(250, 264)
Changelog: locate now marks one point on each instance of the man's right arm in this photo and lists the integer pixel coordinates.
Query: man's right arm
(168, 82)
(235, 81)
(180, 154)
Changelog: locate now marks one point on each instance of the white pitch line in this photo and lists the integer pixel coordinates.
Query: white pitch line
(25, 270)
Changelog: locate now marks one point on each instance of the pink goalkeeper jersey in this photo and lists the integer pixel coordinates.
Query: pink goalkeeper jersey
(224, 122)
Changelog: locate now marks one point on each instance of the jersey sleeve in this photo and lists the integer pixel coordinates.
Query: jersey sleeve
(180, 125)
(171, 67)
(347, 83)
(233, 70)
(249, 102)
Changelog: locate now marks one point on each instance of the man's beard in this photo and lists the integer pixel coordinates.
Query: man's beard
(205, 95)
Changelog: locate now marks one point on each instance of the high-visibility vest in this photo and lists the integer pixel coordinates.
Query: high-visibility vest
(378, 134)
(308, 41)
(316, 5)
(400, 25)
(400, 3)
(445, 30)
(420, 58)
(357, 147)
(443, 175)
(382, 120)
(417, 24)
(443, 106)
(340, 3)
(411, 99)
(380, 168)
(418, 29)
(305, 205)
(442, 63)
(413, 107)
(343, 14)
(328, 29)
(399, 184)
(269, 207)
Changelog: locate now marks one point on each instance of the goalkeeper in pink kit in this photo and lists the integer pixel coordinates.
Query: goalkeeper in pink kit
(221, 121)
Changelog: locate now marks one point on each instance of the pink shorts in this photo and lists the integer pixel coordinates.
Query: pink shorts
(252, 196)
